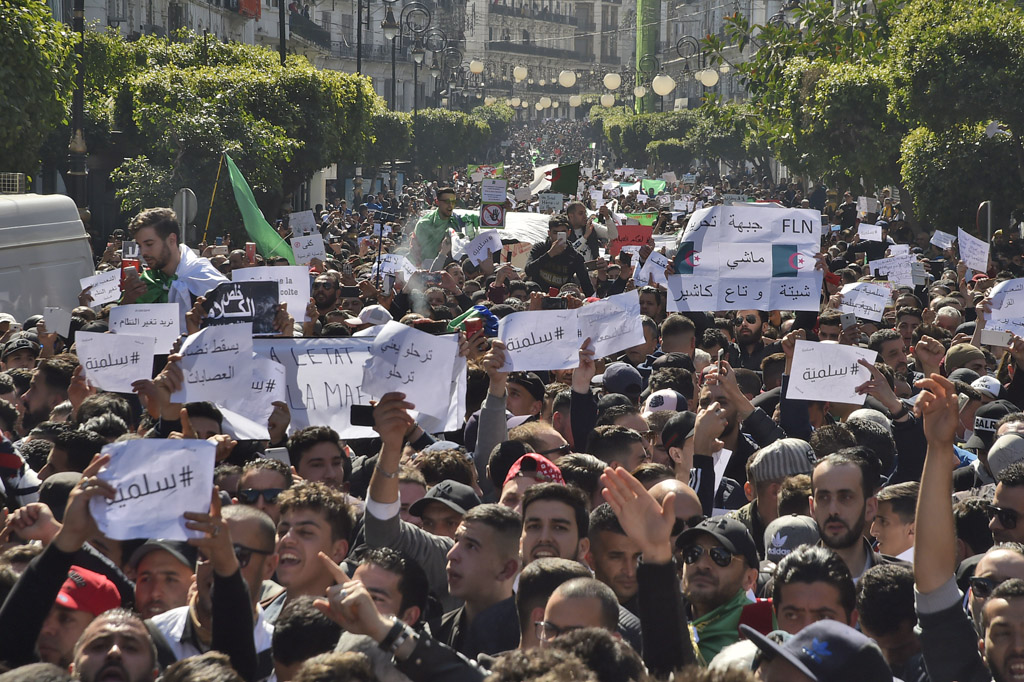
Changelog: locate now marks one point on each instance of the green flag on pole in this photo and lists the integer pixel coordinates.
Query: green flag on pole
(268, 242)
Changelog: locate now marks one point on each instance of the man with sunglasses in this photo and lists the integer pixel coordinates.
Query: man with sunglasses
(721, 565)
(1007, 506)
(262, 480)
(326, 291)
(433, 227)
(750, 347)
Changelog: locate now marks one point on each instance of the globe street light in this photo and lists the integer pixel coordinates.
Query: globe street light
(567, 78)
(612, 81)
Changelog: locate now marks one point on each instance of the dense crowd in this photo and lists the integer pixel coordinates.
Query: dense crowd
(666, 511)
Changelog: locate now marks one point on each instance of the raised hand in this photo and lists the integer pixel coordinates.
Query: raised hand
(79, 525)
(644, 520)
(215, 545)
(938, 407)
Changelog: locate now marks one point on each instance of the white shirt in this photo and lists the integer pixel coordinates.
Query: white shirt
(171, 625)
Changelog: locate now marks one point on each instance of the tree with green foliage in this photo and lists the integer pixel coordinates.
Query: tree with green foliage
(392, 138)
(448, 138)
(36, 81)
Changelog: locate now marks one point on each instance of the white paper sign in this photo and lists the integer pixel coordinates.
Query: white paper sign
(484, 244)
(899, 249)
(867, 205)
(413, 362)
(292, 280)
(865, 299)
(870, 233)
(943, 240)
(896, 268)
(246, 414)
(392, 263)
(302, 223)
(159, 321)
(973, 251)
(113, 362)
(654, 268)
(216, 363)
(828, 371)
(106, 286)
(1007, 307)
(522, 194)
(612, 324)
(381, 230)
(57, 321)
(541, 339)
(549, 201)
(493, 191)
(156, 481)
(307, 248)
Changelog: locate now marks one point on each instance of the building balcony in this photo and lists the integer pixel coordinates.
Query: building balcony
(586, 26)
(304, 28)
(529, 13)
(610, 59)
(535, 50)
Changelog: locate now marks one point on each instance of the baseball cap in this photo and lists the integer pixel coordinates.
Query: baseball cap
(827, 651)
(374, 315)
(452, 494)
(530, 381)
(960, 354)
(968, 376)
(733, 535)
(674, 359)
(8, 318)
(985, 420)
(665, 399)
(182, 551)
(17, 345)
(620, 377)
(536, 466)
(85, 590)
(677, 429)
(1006, 450)
(786, 533)
(988, 385)
(781, 459)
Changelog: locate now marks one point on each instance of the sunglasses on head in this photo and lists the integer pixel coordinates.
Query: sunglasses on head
(251, 495)
(1007, 517)
(720, 555)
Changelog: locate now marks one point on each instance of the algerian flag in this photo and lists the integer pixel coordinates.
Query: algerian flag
(268, 242)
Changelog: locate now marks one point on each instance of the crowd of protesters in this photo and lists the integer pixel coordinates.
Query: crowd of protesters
(575, 525)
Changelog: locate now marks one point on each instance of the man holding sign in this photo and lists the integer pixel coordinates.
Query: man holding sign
(553, 263)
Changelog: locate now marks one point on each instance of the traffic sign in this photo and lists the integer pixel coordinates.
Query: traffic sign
(492, 215)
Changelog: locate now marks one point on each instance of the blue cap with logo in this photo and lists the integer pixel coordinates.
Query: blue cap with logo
(827, 651)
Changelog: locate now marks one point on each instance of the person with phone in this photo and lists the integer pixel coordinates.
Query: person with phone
(554, 262)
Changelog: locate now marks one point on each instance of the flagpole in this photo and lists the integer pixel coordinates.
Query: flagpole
(212, 196)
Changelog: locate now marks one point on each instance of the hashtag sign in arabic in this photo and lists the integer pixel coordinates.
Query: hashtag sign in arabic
(185, 476)
(270, 386)
(135, 358)
(559, 333)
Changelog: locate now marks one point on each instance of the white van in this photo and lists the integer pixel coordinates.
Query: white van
(44, 251)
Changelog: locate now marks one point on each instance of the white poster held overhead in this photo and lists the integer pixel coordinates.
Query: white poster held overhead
(58, 321)
(941, 239)
(865, 300)
(307, 248)
(113, 362)
(106, 287)
(899, 249)
(159, 321)
(412, 362)
(1007, 307)
(973, 251)
(612, 324)
(828, 371)
(541, 339)
(216, 362)
(483, 245)
(302, 223)
(156, 481)
(246, 414)
(869, 233)
(897, 269)
(292, 280)
(653, 270)
(550, 202)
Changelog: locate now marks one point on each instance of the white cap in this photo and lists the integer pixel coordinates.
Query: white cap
(375, 315)
(988, 384)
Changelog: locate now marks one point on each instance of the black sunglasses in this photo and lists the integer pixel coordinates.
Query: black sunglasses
(323, 285)
(982, 587)
(252, 495)
(563, 449)
(1007, 517)
(242, 553)
(751, 319)
(720, 555)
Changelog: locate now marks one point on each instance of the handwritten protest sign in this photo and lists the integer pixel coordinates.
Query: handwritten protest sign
(292, 284)
(113, 362)
(413, 362)
(323, 379)
(867, 205)
(973, 251)
(1007, 307)
(522, 194)
(252, 302)
(216, 362)
(897, 269)
(869, 233)
(307, 248)
(57, 321)
(483, 245)
(612, 324)
(550, 201)
(159, 321)
(630, 235)
(246, 414)
(899, 249)
(156, 480)
(106, 287)
(828, 371)
(302, 223)
(381, 229)
(393, 263)
(540, 339)
(652, 270)
(865, 300)
(941, 239)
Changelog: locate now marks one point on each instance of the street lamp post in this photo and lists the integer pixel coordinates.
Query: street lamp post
(416, 17)
(359, 31)
(78, 153)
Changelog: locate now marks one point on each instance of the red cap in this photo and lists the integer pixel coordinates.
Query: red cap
(85, 590)
(553, 292)
(537, 466)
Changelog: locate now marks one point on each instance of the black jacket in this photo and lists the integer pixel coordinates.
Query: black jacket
(555, 271)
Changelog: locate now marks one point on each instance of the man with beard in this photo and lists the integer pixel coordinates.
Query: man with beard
(843, 502)
(115, 646)
(1008, 505)
(326, 291)
(890, 348)
(175, 273)
(48, 389)
(750, 347)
